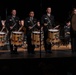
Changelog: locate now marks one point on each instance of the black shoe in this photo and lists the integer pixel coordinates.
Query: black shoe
(33, 52)
(73, 51)
(12, 52)
(15, 52)
(48, 51)
(29, 52)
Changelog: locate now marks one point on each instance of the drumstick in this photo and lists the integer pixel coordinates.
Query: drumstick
(3, 23)
(2, 28)
(56, 26)
(22, 23)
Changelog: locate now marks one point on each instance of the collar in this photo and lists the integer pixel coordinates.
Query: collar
(13, 16)
(31, 18)
(48, 14)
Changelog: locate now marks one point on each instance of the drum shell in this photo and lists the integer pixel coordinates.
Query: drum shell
(17, 39)
(2, 38)
(53, 36)
(36, 38)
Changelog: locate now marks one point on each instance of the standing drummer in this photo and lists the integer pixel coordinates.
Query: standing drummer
(31, 25)
(12, 24)
(47, 22)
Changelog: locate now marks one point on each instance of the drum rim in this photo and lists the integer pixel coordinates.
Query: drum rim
(16, 32)
(53, 30)
(2, 33)
(36, 32)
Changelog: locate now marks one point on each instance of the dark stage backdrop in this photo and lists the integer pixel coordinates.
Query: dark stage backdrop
(60, 8)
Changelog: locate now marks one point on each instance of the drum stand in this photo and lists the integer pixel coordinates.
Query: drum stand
(24, 43)
(55, 42)
(40, 43)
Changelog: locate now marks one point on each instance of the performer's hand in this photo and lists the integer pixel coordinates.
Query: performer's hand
(3, 23)
(68, 32)
(30, 27)
(11, 27)
(45, 24)
(41, 28)
(3, 26)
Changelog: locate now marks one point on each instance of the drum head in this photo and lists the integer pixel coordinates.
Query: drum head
(2, 32)
(15, 32)
(53, 30)
(37, 32)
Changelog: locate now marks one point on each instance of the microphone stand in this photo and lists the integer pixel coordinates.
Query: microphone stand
(6, 13)
(40, 28)
(40, 40)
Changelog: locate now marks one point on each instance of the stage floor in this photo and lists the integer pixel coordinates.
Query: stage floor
(61, 51)
(60, 60)
(23, 55)
(24, 48)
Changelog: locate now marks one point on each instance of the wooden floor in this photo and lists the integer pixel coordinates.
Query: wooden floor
(57, 52)
(55, 47)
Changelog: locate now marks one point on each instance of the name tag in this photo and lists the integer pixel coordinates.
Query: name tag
(10, 19)
(28, 21)
(16, 20)
(45, 18)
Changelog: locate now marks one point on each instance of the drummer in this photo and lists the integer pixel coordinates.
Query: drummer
(67, 31)
(2, 27)
(21, 25)
(30, 25)
(12, 24)
(48, 22)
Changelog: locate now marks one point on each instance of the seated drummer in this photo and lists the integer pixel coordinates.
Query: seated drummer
(67, 31)
(4, 29)
(47, 21)
(3, 26)
(21, 25)
(23, 30)
(37, 27)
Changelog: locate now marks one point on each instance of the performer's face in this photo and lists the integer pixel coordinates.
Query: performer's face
(38, 23)
(75, 11)
(14, 12)
(31, 14)
(22, 22)
(48, 10)
(68, 24)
